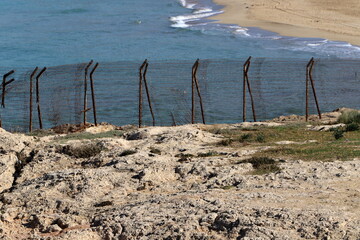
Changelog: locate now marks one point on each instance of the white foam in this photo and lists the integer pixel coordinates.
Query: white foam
(180, 21)
(186, 4)
(239, 30)
(319, 43)
(180, 24)
(203, 10)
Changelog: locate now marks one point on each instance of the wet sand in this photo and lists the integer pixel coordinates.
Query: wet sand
(329, 19)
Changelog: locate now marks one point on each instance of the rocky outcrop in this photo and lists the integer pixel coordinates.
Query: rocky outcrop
(14, 151)
(163, 183)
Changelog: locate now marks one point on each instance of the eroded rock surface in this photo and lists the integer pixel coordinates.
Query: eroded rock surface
(160, 183)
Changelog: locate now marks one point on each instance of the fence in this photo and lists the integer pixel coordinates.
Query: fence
(210, 91)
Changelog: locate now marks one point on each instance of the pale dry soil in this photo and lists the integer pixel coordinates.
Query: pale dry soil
(151, 192)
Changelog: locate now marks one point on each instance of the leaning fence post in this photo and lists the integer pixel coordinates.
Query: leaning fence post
(4, 83)
(313, 88)
(307, 91)
(140, 92)
(193, 94)
(93, 92)
(173, 118)
(31, 98)
(249, 88)
(38, 97)
(198, 90)
(246, 81)
(85, 91)
(148, 93)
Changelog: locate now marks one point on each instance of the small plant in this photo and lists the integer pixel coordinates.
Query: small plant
(155, 150)
(338, 133)
(127, 152)
(183, 157)
(228, 187)
(208, 154)
(244, 137)
(260, 138)
(352, 127)
(263, 165)
(225, 142)
(90, 136)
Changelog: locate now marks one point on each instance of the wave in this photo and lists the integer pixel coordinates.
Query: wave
(200, 12)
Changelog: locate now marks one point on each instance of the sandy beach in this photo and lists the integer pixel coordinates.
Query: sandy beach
(329, 19)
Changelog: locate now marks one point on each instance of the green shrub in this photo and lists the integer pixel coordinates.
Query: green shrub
(244, 137)
(350, 117)
(260, 138)
(263, 165)
(90, 136)
(352, 127)
(338, 133)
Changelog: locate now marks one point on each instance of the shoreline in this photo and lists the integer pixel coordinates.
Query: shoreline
(332, 20)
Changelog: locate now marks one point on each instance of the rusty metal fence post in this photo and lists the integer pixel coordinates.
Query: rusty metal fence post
(246, 82)
(193, 94)
(93, 92)
(38, 97)
(85, 91)
(173, 119)
(196, 84)
(148, 93)
(140, 92)
(309, 68)
(31, 98)
(4, 84)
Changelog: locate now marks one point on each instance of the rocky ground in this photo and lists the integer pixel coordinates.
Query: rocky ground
(160, 183)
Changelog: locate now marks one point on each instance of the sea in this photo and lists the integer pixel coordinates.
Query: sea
(122, 33)
(50, 33)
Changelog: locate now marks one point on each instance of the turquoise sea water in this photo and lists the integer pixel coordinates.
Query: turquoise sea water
(171, 34)
(49, 32)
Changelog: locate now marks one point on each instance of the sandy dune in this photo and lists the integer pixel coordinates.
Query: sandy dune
(330, 19)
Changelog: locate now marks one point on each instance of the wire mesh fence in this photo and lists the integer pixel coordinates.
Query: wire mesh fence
(278, 88)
